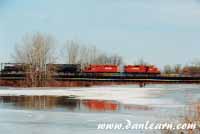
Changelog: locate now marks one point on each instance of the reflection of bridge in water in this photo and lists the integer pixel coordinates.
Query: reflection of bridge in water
(65, 104)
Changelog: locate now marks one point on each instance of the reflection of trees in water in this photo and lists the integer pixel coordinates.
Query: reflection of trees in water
(41, 102)
(64, 102)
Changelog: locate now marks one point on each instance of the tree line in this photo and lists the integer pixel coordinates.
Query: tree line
(38, 50)
(192, 69)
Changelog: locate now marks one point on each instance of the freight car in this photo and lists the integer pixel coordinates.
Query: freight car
(13, 69)
(64, 68)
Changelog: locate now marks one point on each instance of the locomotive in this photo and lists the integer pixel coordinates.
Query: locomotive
(141, 69)
(101, 69)
(128, 69)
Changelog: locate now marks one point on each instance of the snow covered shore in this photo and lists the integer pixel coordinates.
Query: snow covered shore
(127, 95)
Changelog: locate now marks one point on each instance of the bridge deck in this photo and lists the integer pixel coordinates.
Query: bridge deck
(111, 78)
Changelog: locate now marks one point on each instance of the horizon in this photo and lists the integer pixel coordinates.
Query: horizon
(160, 32)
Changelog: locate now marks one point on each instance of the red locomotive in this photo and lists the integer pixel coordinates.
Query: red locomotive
(153, 70)
(133, 69)
(141, 69)
(102, 69)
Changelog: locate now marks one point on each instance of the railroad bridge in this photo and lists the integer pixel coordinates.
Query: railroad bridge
(22, 79)
(90, 80)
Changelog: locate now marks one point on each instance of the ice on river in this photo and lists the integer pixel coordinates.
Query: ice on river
(126, 95)
(167, 98)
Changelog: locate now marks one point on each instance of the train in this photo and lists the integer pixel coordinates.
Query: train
(90, 69)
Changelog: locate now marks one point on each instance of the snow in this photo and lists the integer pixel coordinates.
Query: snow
(126, 95)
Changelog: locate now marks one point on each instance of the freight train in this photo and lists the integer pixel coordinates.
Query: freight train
(91, 69)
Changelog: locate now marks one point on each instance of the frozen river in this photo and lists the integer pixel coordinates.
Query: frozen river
(80, 110)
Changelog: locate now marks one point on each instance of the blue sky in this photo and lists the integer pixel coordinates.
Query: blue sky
(159, 31)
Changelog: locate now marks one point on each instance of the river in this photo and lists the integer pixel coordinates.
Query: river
(80, 110)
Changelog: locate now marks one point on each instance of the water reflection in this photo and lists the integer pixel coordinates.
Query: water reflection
(40, 102)
(64, 104)
(96, 105)
(137, 107)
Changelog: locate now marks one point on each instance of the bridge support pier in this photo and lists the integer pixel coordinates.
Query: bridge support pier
(142, 84)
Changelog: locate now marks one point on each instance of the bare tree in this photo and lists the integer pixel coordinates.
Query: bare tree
(167, 69)
(196, 62)
(88, 55)
(141, 62)
(116, 59)
(177, 69)
(77, 53)
(73, 49)
(105, 59)
(36, 52)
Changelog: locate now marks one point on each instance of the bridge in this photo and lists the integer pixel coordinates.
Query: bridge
(20, 78)
(120, 77)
